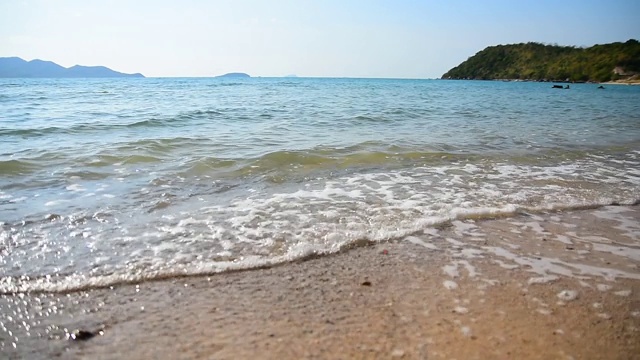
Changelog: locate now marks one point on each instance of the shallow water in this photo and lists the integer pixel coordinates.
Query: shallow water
(110, 181)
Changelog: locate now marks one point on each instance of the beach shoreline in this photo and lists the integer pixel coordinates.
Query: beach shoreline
(538, 286)
(623, 82)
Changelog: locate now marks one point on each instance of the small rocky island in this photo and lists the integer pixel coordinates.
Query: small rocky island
(235, 75)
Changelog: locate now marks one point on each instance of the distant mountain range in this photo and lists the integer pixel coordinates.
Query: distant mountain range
(15, 67)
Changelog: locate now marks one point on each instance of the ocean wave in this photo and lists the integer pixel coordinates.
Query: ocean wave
(11, 285)
(227, 84)
(186, 156)
(175, 120)
(29, 133)
(291, 164)
(364, 119)
(197, 176)
(16, 167)
(113, 124)
(192, 228)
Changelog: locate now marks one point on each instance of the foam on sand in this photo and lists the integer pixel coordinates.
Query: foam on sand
(508, 289)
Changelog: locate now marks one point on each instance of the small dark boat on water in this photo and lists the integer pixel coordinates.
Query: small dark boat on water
(560, 87)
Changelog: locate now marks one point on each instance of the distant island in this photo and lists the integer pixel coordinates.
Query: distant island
(234, 75)
(538, 62)
(15, 67)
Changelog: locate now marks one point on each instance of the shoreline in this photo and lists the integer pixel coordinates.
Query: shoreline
(616, 82)
(553, 285)
(622, 82)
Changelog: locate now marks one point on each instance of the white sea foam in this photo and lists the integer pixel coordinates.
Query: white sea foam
(623, 293)
(545, 266)
(466, 331)
(619, 250)
(630, 227)
(563, 239)
(418, 241)
(451, 270)
(451, 285)
(469, 253)
(542, 279)
(269, 226)
(568, 295)
(465, 227)
(75, 188)
(460, 310)
(544, 311)
(505, 265)
(56, 202)
(471, 270)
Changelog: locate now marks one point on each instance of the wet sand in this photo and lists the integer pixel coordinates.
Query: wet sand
(562, 285)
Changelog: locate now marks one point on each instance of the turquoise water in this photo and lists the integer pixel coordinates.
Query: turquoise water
(107, 181)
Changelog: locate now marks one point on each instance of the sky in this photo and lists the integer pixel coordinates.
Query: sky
(320, 38)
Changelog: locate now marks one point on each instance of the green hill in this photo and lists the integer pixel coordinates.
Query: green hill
(539, 62)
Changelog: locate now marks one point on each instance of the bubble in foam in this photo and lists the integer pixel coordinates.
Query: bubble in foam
(466, 331)
(451, 270)
(623, 293)
(542, 279)
(460, 310)
(544, 311)
(451, 285)
(75, 187)
(568, 295)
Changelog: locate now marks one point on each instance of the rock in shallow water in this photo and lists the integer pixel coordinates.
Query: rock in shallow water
(83, 335)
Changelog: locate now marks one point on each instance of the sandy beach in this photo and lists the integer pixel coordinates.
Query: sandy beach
(623, 82)
(560, 285)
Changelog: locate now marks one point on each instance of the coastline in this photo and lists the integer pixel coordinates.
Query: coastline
(616, 82)
(623, 82)
(536, 286)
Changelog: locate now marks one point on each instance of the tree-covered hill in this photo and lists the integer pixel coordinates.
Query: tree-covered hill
(535, 61)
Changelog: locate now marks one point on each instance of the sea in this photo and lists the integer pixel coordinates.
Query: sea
(117, 181)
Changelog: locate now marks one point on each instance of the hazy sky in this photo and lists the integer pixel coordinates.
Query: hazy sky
(351, 38)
